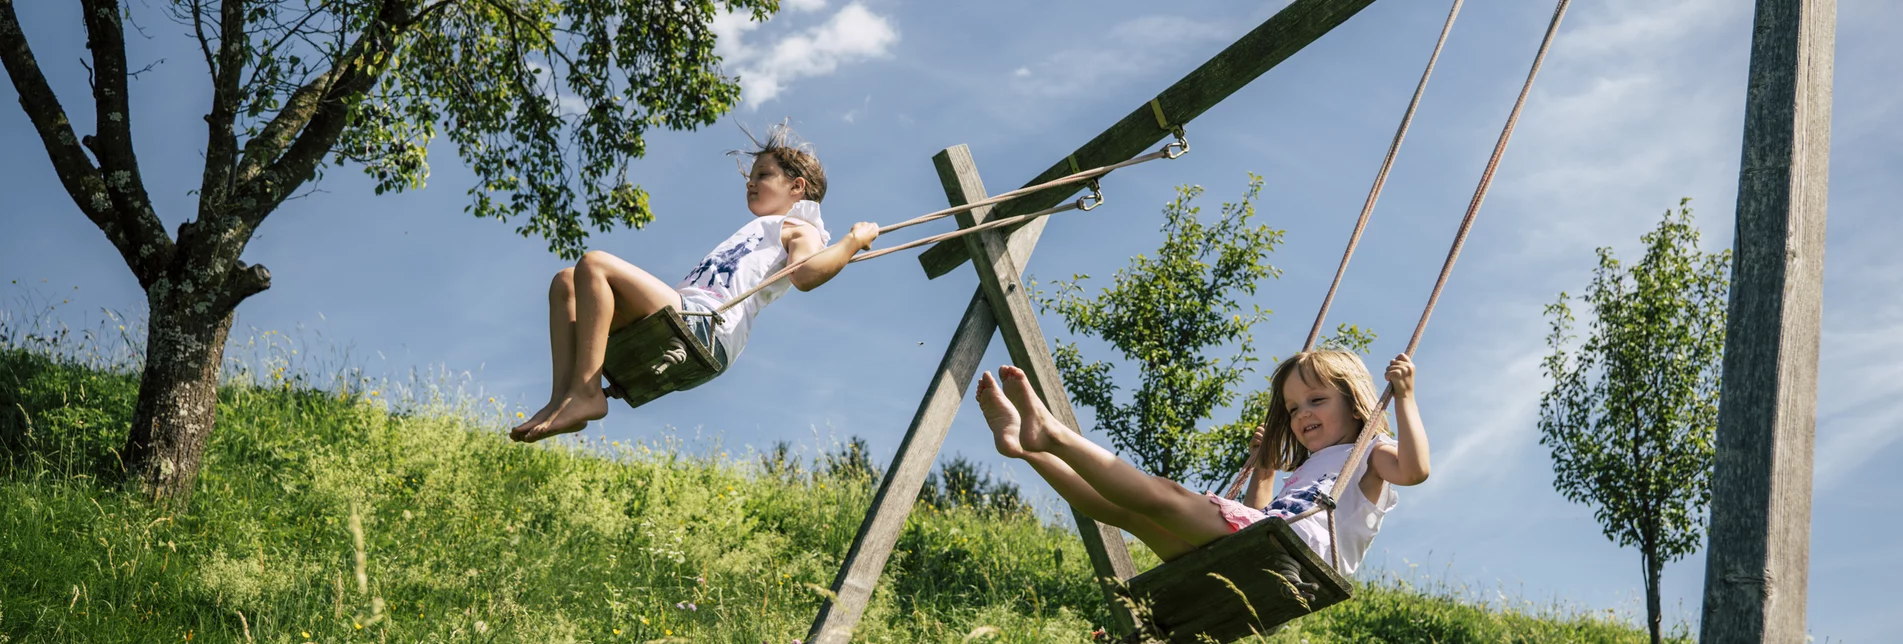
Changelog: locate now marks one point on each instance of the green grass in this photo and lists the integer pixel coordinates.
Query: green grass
(327, 517)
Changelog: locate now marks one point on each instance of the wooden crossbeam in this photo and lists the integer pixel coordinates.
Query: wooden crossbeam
(1276, 39)
(1757, 568)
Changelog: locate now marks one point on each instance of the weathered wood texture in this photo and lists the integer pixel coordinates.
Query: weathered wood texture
(655, 355)
(1003, 287)
(1756, 570)
(1287, 32)
(898, 490)
(1186, 601)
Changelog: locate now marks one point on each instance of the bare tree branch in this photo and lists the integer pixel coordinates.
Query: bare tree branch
(424, 14)
(221, 144)
(198, 30)
(118, 163)
(248, 280)
(141, 242)
(317, 114)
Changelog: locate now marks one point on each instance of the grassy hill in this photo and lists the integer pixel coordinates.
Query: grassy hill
(323, 516)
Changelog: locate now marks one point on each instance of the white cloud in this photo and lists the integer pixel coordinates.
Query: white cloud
(854, 115)
(803, 5)
(852, 34)
(1131, 49)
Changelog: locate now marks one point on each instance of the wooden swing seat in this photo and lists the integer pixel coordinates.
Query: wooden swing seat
(655, 355)
(1188, 601)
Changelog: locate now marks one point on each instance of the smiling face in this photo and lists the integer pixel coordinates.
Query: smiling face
(769, 190)
(1319, 415)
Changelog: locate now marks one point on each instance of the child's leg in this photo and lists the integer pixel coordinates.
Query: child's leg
(1184, 513)
(610, 293)
(561, 346)
(1004, 423)
(1078, 493)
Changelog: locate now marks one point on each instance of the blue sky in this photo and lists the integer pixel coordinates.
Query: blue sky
(1640, 104)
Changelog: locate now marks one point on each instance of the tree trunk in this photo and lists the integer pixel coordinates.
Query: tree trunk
(178, 393)
(1652, 616)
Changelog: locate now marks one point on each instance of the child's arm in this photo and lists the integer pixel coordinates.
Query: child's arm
(1404, 463)
(802, 242)
(1261, 490)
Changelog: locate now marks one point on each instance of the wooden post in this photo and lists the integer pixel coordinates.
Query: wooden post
(898, 490)
(1756, 570)
(1017, 323)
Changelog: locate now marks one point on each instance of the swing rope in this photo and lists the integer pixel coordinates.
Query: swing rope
(1372, 426)
(1170, 150)
(1361, 225)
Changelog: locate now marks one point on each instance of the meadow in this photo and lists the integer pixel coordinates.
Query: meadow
(334, 508)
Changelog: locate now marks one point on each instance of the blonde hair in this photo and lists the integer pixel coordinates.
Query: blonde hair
(794, 156)
(1340, 369)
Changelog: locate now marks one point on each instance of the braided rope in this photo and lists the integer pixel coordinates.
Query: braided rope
(1361, 224)
(1460, 239)
(1075, 177)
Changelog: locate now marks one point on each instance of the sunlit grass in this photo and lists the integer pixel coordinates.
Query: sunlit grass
(336, 508)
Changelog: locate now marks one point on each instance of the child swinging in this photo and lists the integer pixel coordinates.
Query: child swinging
(1319, 401)
(604, 293)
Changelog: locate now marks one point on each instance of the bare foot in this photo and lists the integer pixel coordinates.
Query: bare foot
(1000, 415)
(537, 420)
(571, 414)
(1038, 430)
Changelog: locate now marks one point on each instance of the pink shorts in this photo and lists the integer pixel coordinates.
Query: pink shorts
(1238, 515)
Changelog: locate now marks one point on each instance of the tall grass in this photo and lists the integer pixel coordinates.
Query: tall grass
(338, 509)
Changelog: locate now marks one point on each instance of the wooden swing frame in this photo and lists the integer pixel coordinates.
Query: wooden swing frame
(1206, 594)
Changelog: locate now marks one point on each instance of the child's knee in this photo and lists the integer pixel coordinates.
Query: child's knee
(563, 284)
(595, 260)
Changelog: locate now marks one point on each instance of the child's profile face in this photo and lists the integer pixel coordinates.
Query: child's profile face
(769, 190)
(1319, 414)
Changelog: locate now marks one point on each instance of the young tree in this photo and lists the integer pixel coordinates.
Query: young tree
(1165, 314)
(546, 100)
(1632, 412)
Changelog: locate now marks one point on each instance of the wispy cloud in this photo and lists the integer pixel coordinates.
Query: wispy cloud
(1129, 50)
(853, 115)
(852, 34)
(1614, 133)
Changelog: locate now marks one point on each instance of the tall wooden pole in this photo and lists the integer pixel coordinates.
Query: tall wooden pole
(1756, 569)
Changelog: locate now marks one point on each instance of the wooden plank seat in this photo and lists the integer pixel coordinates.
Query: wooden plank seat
(653, 356)
(1188, 600)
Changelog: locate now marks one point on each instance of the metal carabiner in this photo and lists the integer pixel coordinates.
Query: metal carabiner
(1092, 200)
(1176, 148)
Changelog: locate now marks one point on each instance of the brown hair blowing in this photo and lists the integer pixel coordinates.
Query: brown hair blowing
(1340, 369)
(794, 155)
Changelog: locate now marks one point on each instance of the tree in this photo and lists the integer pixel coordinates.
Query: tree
(1632, 412)
(1165, 314)
(546, 100)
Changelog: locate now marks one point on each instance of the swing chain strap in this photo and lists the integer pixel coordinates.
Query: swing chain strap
(1460, 238)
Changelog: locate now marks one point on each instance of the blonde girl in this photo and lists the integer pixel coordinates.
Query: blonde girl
(1319, 401)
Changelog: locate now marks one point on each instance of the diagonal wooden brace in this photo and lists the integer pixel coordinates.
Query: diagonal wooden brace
(1011, 306)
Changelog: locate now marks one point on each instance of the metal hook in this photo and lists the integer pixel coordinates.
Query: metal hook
(1092, 200)
(1176, 148)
